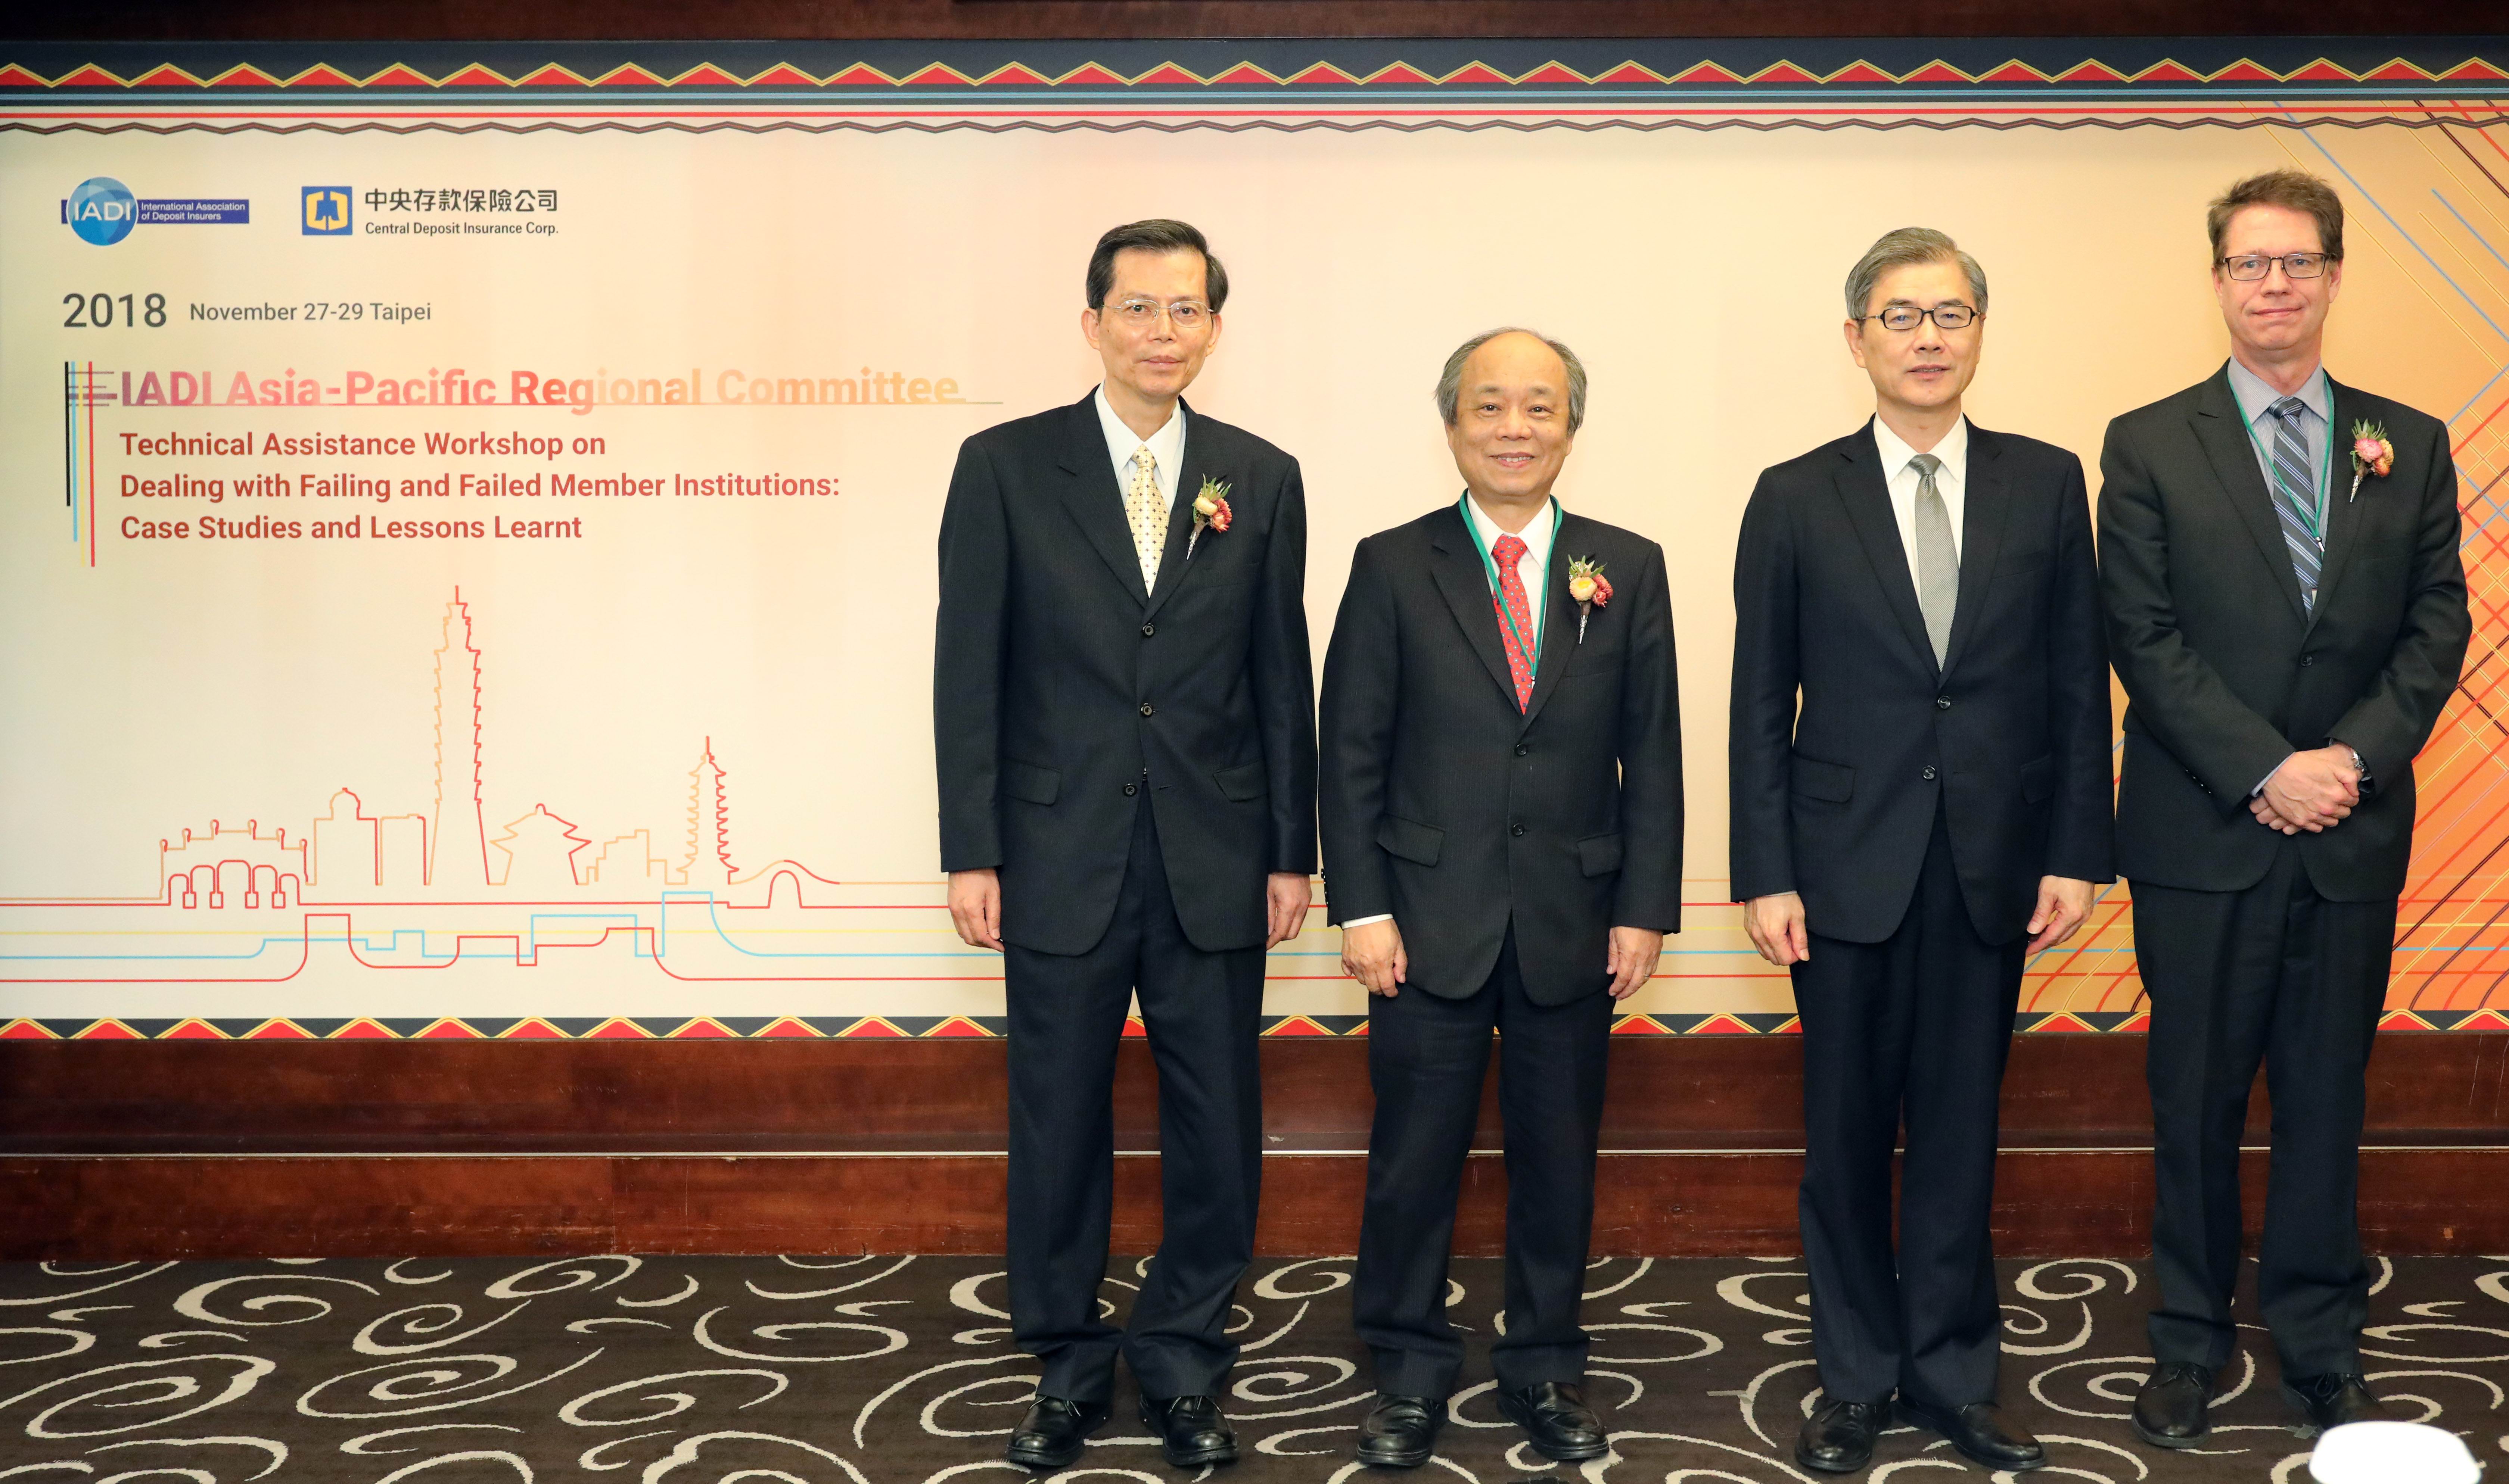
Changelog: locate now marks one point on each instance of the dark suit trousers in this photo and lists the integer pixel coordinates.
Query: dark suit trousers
(1066, 1014)
(1426, 1058)
(2276, 974)
(1915, 1025)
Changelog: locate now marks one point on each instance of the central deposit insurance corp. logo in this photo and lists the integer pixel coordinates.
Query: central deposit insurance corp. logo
(102, 210)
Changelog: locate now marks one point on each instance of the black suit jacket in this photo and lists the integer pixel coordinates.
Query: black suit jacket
(2009, 736)
(1447, 806)
(2226, 675)
(1060, 688)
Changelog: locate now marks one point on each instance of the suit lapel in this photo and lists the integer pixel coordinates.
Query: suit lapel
(1984, 510)
(1194, 464)
(1865, 490)
(2223, 432)
(1466, 589)
(2342, 511)
(1560, 616)
(1093, 498)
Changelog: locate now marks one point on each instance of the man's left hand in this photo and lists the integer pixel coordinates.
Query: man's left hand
(1632, 959)
(1286, 894)
(2063, 905)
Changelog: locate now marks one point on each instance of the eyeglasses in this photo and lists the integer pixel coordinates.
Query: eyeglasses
(1903, 317)
(2249, 267)
(1187, 315)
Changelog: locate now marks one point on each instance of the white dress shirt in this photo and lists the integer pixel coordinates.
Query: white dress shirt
(1951, 481)
(1532, 568)
(1167, 448)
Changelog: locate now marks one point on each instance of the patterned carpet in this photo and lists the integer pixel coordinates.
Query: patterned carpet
(719, 1370)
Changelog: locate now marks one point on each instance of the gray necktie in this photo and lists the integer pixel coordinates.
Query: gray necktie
(1937, 559)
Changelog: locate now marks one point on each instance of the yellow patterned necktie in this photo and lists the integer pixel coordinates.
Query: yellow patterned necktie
(1148, 515)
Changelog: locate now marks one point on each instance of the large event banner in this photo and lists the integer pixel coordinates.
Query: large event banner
(466, 521)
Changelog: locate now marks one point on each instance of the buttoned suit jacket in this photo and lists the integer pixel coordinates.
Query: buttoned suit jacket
(1062, 689)
(1848, 736)
(1460, 815)
(2225, 674)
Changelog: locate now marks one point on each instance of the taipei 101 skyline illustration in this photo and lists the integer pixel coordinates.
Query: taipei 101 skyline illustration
(446, 885)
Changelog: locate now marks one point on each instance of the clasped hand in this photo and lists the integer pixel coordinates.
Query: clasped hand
(2313, 790)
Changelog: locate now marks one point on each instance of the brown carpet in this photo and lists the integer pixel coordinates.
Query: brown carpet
(721, 1370)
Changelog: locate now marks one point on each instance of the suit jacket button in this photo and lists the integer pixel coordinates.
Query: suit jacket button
(2305, 660)
(1929, 772)
(1147, 708)
(1942, 703)
(1522, 749)
(1148, 629)
(1515, 829)
(1132, 789)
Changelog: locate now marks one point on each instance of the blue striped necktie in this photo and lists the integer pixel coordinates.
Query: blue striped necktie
(2296, 498)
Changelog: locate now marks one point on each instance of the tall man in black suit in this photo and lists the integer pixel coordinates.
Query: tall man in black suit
(1502, 833)
(1938, 796)
(2287, 632)
(1124, 720)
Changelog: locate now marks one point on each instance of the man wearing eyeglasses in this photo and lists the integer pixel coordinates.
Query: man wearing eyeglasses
(2287, 608)
(1124, 722)
(1920, 756)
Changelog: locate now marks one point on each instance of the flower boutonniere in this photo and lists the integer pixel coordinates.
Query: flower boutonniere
(1210, 511)
(2371, 454)
(1589, 587)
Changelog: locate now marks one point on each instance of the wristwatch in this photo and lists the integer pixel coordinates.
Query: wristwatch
(2358, 765)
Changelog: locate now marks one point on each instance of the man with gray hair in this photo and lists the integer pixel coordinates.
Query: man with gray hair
(1501, 772)
(1920, 756)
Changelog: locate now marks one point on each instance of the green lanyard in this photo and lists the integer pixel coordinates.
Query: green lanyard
(2324, 468)
(1532, 652)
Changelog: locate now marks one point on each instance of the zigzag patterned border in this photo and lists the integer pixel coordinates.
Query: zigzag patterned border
(984, 1027)
(2090, 72)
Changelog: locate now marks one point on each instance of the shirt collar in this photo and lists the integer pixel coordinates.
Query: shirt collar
(2256, 399)
(1536, 533)
(1953, 450)
(1167, 445)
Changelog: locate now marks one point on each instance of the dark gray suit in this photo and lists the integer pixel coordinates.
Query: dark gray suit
(1135, 763)
(2254, 945)
(1915, 806)
(1507, 843)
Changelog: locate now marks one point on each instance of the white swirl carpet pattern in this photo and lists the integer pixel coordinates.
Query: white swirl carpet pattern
(899, 1370)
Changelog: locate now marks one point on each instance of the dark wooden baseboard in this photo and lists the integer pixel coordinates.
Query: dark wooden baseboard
(2065, 1204)
(169, 1149)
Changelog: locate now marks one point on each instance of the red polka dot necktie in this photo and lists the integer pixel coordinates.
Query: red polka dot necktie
(1511, 604)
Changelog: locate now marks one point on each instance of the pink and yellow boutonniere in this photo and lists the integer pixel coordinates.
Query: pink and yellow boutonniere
(1210, 511)
(1589, 587)
(2371, 454)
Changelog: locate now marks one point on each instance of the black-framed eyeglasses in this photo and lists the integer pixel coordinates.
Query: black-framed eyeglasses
(2249, 267)
(1904, 317)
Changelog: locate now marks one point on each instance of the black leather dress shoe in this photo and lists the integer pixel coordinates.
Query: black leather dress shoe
(2334, 1398)
(1190, 1430)
(1556, 1418)
(1838, 1436)
(1981, 1434)
(2173, 1410)
(1051, 1435)
(1399, 1431)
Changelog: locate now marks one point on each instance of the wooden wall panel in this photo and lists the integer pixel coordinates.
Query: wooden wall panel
(948, 1095)
(2067, 1203)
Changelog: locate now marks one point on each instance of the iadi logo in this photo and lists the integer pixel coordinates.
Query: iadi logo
(102, 211)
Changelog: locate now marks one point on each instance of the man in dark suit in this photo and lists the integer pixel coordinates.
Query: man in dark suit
(1920, 761)
(1124, 721)
(1502, 833)
(2288, 613)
